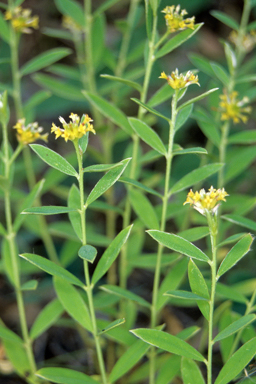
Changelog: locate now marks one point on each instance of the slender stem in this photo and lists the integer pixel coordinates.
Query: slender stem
(89, 286)
(222, 153)
(212, 222)
(240, 53)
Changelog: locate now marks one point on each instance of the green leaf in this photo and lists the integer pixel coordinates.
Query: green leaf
(46, 318)
(201, 63)
(130, 83)
(190, 372)
(235, 327)
(239, 162)
(239, 250)
(54, 159)
(4, 29)
(74, 217)
(110, 111)
(57, 33)
(164, 93)
(177, 40)
(73, 9)
(100, 167)
(169, 370)
(242, 221)
(73, 303)
(124, 293)
(232, 239)
(36, 99)
(178, 244)
(168, 343)
(110, 254)
(195, 177)
(51, 268)
(148, 135)
(30, 285)
(83, 142)
(144, 209)
(237, 362)
(137, 184)
(51, 210)
(182, 116)
(148, 108)
(229, 293)
(210, 131)
(27, 203)
(18, 357)
(112, 325)
(225, 19)
(187, 151)
(184, 295)
(220, 73)
(128, 360)
(104, 6)
(64, 375)
(193, 234)
(244, 137)
(7, 334)
(199, 287)
(88, 253)
(2, 230)
(107, 181)
(44, 60)
(195, 99)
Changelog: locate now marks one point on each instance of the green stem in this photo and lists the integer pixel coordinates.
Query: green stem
(16, 73)
(212, 222)
(89, 286)
(240, 53)
(222, 153)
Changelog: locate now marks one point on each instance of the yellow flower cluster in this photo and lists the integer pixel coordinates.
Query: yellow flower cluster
(206, 201)
(175, 19)
(21, 19)
(247, 42)
(179, 81)
(69, 23)
(75, 129)
(234, 109)
(30, 133)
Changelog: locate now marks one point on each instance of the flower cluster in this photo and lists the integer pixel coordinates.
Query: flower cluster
(179, 81)
(27, 134)
(21, 19)
(69, 23)
(247, 42)
(175, 19)
(75, 129)
(234, 109)
(206, 201)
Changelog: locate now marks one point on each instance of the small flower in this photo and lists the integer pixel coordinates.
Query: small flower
(30, 133)
(69, 23)
(247, 42)
(21, 19)
(179, 81)
(206, 201)
(75, 129)
(231, 108)
(175, 19)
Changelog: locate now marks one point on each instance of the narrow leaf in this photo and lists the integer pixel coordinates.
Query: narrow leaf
(198, 286)
(74, 216)
(124, 293)
(100, 167)
(139, 185)
(220, 73)
(188, 151)
(152, 110)
(112, 325)
(244, 137)
(195, 99)
(130, 83)
(225, 19)
(54, 159)
(51, 210)
(144, 209)
(242, 221)
(183, 116)
(30, 285)
(65, 375)
(235, 327)
(184, 295)
(7, 334)
(164, 93)
(190, 372)
(46, 318)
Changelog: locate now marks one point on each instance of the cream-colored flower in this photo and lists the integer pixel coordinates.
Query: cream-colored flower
(206, 201)
(247, 42)
(179, 81)
(21, 19)
(75, 129)
(27, 134)
(175, 19)
(69, 23)
(234, 109)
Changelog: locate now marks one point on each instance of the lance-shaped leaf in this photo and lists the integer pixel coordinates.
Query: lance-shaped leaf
(139, 185)
(187, 151)
(198, 286)
(64, 376)
(148, 135)
(237, 362)
(190, 372)
(182, 116)
(44, 60)
(107, 181)
(220, 73)
(74, 216)
(110, 111)
(184, 295)
(239, 250)
(51, 210)
(242, 221)
(112, 325)
(195, 99)
(244, 137)
(124, 293)
(4, 29)
(30, 285)
(100, 167)
(7, 334)
(167, 342)
(128, 359)
(144, 209)
(178, 244)
(110, 254)
(162, 94)
(46, 318)
(130, 83)
(225, 19)
(177, 40)
(71, 8)
(195, 177)
(54, 159)
(72, 302)
(235, 327)
(152, 110)
(51, 268)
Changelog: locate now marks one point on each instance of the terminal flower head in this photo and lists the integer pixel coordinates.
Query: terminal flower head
(75, 129)
(179, 81)
(21, 19)
(234, 109)
(247, 42)
(69, 23)
(30, 133)
(175, 21)
(206, 201)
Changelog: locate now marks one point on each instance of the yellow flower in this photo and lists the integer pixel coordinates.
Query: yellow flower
(231, 108)
(179, 81)
(75, 129)
(21, 19)
(175, 19)
(247, 42)
(206, 201)
(69, 23)
(30, 133)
